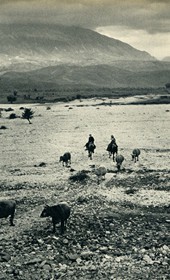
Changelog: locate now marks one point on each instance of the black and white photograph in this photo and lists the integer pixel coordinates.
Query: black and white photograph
(84, 139)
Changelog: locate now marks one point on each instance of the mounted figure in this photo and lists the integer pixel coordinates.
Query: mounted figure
(112, 148)
(90, 146)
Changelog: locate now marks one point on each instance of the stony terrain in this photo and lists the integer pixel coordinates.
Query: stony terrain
(118, 227)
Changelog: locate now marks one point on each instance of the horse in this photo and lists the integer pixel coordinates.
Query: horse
(112, 148)
(90, 147)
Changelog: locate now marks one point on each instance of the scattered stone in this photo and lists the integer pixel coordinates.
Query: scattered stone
(65, 241)
(86, 255)
(72, 257)
(147, 259)
(4, 257)
(33, 261)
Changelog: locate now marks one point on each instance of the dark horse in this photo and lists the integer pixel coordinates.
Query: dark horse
(90, 147)
(112, 149)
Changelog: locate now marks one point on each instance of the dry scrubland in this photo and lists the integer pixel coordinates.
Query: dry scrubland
(118, 228)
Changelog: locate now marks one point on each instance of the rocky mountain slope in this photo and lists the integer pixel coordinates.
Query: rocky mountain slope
(47, 56)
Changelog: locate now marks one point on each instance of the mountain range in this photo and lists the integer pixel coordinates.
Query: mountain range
(47, 56)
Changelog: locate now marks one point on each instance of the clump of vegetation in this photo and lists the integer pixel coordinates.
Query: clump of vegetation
(48, 108)
(3, 127)
(12, 116)
(11, 98)
(9, 110)
(80, 176)
(27, 114)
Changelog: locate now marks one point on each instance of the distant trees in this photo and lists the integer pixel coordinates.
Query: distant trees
(15, 92)
(167, 86)
(27, 114)
(11, 98)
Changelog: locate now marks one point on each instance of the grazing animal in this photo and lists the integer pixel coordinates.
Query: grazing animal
(66, 158)
(59, 213)
(112, 149)
(7, 208)
(100, 172)
(135, 155)
(90, 147)
(119, 160)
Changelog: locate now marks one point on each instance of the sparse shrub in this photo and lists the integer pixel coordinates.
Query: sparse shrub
(12, 116)
(42, 164)
(21, 108)
(11, 98)
(79, 176)
(78, 96)
(27, 114)
(167, 85)
(9, 110)
(82, 199)
(48, 108)
(3, 127)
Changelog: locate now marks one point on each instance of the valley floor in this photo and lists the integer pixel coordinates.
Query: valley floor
(118, 227)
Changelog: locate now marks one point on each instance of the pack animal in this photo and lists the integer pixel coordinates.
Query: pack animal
(119, 160)
(135, 155)
(66, 158)
(112, 149)
(7, 208)
(59, 213)
(90, 147)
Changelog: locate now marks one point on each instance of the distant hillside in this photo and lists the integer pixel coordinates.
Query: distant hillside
(31, 46)
(41, 56)
(87, 76)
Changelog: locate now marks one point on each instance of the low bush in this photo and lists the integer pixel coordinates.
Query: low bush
(12, 116)
(3, 127)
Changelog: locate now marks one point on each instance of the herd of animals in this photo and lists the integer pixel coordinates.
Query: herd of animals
(112, 148)
(61, 212)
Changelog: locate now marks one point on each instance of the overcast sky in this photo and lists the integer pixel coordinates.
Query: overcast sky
(144, 24)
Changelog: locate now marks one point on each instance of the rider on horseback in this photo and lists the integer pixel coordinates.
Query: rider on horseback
(113, 140)
(112, 148)
(90, 143)
(112, 143)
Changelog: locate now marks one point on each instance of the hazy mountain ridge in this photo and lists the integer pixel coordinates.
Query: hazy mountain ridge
(43, 56)
(61, 44)
(91, 76)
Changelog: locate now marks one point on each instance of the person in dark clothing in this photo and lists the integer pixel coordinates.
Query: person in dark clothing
(113, 141)
(112, 148)
(90, 141)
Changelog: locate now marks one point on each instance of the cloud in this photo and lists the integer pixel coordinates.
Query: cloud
(156, 44)
(150, 15)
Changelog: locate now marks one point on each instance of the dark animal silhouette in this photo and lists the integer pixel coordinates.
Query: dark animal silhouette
(90, 147)
(112, 148)
(7, 208)
(59, 213)
(119, 160)
(66, 158)
(135, 155)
